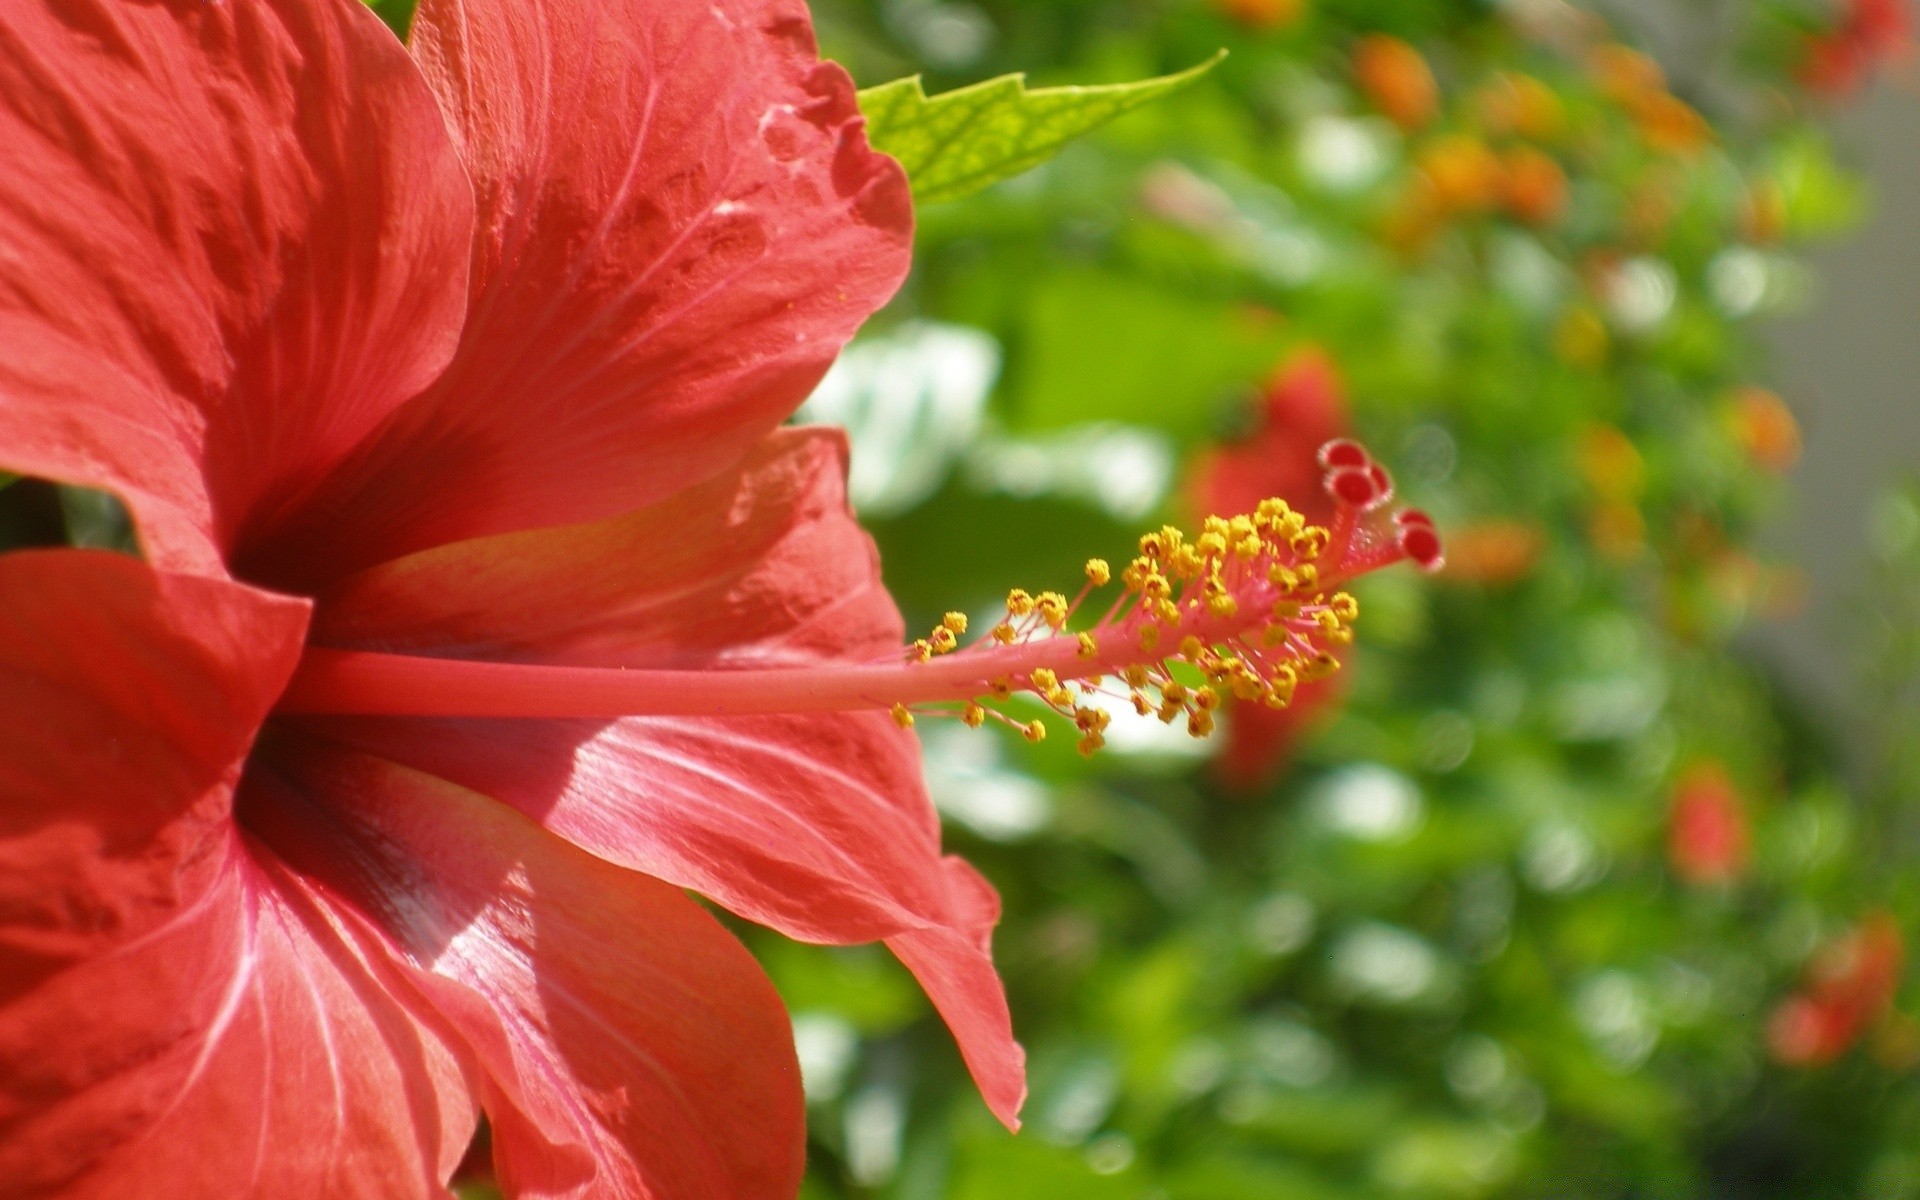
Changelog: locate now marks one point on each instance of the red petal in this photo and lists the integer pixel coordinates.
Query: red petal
(955, 965)
(817, 824)
(632, 1047)
(680, 225)
(236, 239)
(176, 1017)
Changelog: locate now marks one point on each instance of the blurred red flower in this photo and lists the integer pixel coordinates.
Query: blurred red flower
(1707, 836)
(1849, 986)
(1302, 407)
(1870, 33)
(474, 352)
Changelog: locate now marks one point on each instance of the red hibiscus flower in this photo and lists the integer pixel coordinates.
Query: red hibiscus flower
(1870, 33)
(485, 605)
(1303, 406)
(478, 350)
(1849, 986)
(1707, 837)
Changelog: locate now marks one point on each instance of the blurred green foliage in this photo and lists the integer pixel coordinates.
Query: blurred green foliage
(1451, 951)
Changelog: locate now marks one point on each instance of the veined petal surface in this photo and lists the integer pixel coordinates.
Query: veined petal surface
(631, 1047)
(816, 824)
(680, 224)
(179, 1016)
(236, 239)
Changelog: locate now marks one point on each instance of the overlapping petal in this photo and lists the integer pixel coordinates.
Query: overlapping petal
(236, 239)
(817, 824)
(632, 1047)
(178, 1016)
(680, 223)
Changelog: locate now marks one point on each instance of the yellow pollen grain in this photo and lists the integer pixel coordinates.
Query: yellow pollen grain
(1034, 731)
(902, 717)
(1019, 603)
(1174, 693)
(973, 715)
(1044, 680)
(1088, 647)
(943, 640)
(1098, 572)
(954, 623)
(1206, 699)
(1345, 606)
(1004, 634)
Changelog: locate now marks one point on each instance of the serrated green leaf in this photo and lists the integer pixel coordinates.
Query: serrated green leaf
(958, 142)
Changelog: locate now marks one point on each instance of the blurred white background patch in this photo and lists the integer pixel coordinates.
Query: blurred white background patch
(911, 401)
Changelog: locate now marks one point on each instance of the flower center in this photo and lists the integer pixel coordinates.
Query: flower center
(1251, 606)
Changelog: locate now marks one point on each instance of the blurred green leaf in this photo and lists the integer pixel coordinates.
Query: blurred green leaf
(961, 141)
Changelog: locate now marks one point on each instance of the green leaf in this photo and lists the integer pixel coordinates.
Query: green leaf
(958, 142)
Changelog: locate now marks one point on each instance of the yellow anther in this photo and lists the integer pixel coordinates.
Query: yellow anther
(1001, 689)
(1034, 731)
(1153, 545)
(1200, 724)
(1223, 606)
(1052, 607)
(1186, 563)
(1135, 675)
(1191, 648)
(1248, 547)
(943, 641)
(1309, 576)
(902, 717)
(1141, 704)
(1167, 612)
(1282, 577)
(1088, 647)
(1211, 545)
(1286, 610)
(1275, 635)
(1326, 620)
(1098, 572)
(1218, 526)
(922, 650)
(1169, 710)
(954, 623)
(1155, 588)
(1149, 637)
(1174, 693)
(1091, 743)
(1319, 666)
(1345, 606)
(1247, 686)
(1004, 634)
(1342, 636)
(1044, 680)
(1240, 528)
(1273, 510)
(973, 715)
(1206, 699)
(1060, 698)
(1019, 603)
(1309, 542)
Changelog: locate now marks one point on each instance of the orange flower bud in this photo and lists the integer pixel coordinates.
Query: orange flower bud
(1764, 426)
(1396, 80)
(1493, 553)
(1465, 175)
(1263, 14)
(1515, 105)
(1535, 190)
